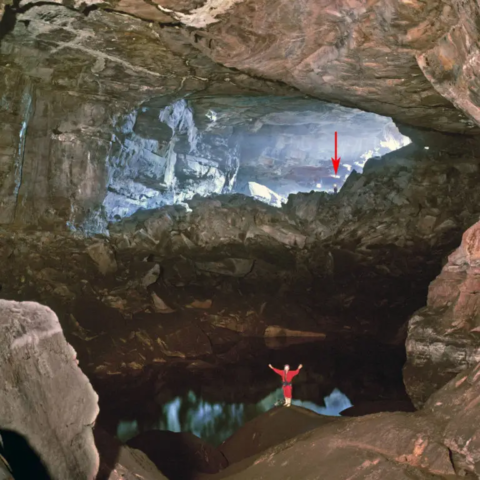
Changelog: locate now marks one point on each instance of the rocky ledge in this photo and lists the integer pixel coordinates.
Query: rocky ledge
(444, 337)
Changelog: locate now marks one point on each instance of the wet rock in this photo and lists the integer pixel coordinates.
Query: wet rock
(104, 258)
(444, 337)
(272, 428)
(45, 396)
(179, 455)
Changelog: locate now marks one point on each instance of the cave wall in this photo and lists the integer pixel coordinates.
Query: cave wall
(91, 137)
(67, 95)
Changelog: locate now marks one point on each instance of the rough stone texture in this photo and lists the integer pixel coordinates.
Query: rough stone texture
(361, 54)
(119, 462)
(452, 65)
(179, 455)
(272, 428)
(457, 405)
(70, 88)
(45, 396)
(443, 338)
(393, 445)
(438, 442)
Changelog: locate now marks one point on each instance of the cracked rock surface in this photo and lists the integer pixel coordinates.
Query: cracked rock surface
(443, 337)
(45, 396)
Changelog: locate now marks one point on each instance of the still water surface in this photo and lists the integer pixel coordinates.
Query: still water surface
(215, 422)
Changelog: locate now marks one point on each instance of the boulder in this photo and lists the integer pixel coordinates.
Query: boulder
(440, 441)
(179, 455)
(46, 399)
(392, 445)
(103, 257)
(278, 331)
(456, 408)
(272, 428)
(444, 337)
(119, 462)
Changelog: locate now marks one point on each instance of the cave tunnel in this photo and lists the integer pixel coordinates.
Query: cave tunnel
(172, 225)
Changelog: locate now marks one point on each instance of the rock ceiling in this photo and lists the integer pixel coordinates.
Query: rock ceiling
(412, 60)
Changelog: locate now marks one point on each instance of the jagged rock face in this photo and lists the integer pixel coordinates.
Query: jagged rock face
(287, 143)
(413, 58)
(45, 396)
(443, 337)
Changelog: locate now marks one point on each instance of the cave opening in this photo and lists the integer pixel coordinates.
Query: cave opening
(266, 147)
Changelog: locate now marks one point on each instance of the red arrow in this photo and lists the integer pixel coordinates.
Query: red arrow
(336, 161)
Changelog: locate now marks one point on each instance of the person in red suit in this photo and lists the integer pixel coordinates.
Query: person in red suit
(287, 376)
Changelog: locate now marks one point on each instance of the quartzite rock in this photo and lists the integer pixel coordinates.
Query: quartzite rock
(45, 396)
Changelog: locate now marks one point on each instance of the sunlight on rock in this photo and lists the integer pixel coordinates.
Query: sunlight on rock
(263, 193)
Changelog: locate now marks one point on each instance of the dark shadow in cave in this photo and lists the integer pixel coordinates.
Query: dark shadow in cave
(23, 460)
(109, 450)
(9, 19)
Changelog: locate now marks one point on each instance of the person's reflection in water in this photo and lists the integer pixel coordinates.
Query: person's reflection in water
(287, 377)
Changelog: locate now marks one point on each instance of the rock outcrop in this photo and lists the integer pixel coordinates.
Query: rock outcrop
(444, 337)
(180, 456)
(45, 396)
(438, 442)
(119, 462)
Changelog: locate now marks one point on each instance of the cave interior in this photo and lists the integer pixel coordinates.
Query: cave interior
(172, 221)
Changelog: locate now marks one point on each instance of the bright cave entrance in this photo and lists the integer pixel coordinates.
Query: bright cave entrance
(267, 147)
